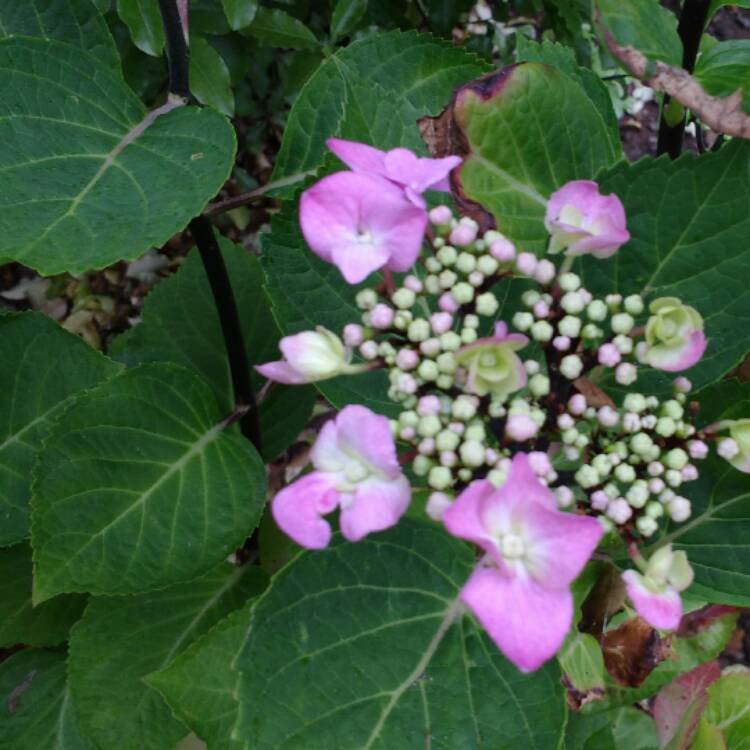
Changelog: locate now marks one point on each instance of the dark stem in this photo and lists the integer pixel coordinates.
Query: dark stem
(213, 262)
(690, 29)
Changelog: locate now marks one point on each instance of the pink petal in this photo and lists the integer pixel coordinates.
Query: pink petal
(601, 245)
(404, 167)
(682, 359)
(326, 455)
(280, 372)
(356, 262)
(298, 507)
(527, 622)
(368, 435)
(523, 485)
(377, 505)
(358, 156)
(463, 519)
(660, 610)
(582, 194)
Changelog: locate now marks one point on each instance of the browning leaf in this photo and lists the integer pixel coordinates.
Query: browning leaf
(632, 651)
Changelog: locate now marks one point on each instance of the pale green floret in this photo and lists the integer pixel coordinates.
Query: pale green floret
(429, 426)
(402, 319)
(428, 370)
(475, 431)
(641, 443)
(450, 341)
(571, 366)
(446, 363)
(666, 427)
(408, 418)
(434, 265)
(366, 299)
(464, 408)
(465, 475)
(487, 265)
(602, 464)
(523, 321)
(673, 477)
(623, 343)
(468, 336)
(438, 242)
(539, 385)
(497, 477)
(385, 349)
(646, 525)
(572, 302)
(672, 409)
(634, 402)
(447, 255)
(613, 301)
(472, 453)
(625, 473)
(654, 509)
(634, 304)
(447, 279)
(421, 465)
(569, 436)
(432, 284)
(404, 298)
(496, 409)
(611, 491)
(463, 293)
(530, 297)
(569, 282)
(591, 331)
(542, 331)
(570, 326)
(620, 449)
(440, 477)
(471, 321)
(597, 310)
(444, 382)
(493, 367)
(676, 458)
(487, 304)
(669, 328)
(466, 263)
(587, 476)
(582, 441)
(622, 323)
(491, 235)
(447, 440)
(419, 330)
(638, 494)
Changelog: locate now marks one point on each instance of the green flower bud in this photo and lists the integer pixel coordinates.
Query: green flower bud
(404, 298)
(463, 293)
(440, 478)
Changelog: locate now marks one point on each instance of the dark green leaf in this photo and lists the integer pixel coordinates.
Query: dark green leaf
(45, 625)
(75, 21)
(284, 412)
(366, 646)
(89, 177)
(346, 16)
(141, 485)
(36, 711)
(445, 14)
(121, 640)
(240, 13)
(48, 365)
(274, 28)
(725, 68)
(209, 76)
(143, 19)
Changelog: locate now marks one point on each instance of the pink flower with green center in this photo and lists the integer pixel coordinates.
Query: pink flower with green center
(520, 593)
(356, 470)
(582, 221)
(674, 336)
(399, 165)
(739, 431)
(360, 223)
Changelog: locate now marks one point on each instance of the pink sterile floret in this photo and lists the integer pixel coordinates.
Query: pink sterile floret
(357, 470)
(399, 165)
(361, 223)
(521, 591)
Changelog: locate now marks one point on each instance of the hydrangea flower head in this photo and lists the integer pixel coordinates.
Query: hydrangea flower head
(360, 223)
(399, 165)
(674, 335)
(492, 364)
(582, 221)
(522, 595)
(357, 470)
(655, 594)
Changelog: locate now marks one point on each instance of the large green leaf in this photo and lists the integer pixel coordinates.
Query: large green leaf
(209, 76)
(346, 16)
(689, 221)
(366, 645)
(180, 324)
(43, 367)
(643, 24)
(35, 707)
(89, 177)
(275, 28)
(45, 625)
(523, 130)
(143, 19)
(141, 485)
(307, 292)
(725, 68)
(74, 21)
(120, 640)
(240, 13)
(420, 70)
(727, 714)
(200, 685)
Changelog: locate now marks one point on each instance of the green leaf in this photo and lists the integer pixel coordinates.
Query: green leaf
(143, 19)
(417, 70)
(729, 710)
(716, 4)
(307, 292)
(625, 728)
(523, 128)
(725, 68)
(367, 646)
(582, 662)
(209, 77)
(180, 324)
(141, 485)
(48, 366)
(75, 21)
(36, 710)
(346, 15)
(689, 220)
(45, 625)
(240, 13)
(445, 14)
(645, 25)
(200, 685)
(121, 640)
(275, 28)
(89, 177)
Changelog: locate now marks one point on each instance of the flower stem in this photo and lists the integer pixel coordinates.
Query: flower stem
(690, 29)
(208, 247)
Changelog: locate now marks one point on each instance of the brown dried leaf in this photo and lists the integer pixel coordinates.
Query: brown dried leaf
(632, 651)
(595, 396)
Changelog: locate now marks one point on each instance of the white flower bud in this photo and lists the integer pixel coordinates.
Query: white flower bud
(676, 458)
(673, 477)
(447, 440)
(622, 323)
(366, 299)
(463, 293)
(428, 370)
(646, 525)
(472, 453)
(446, 255)
(623, 343)
(619, 511)
(572, 302)
(679, 509)
(571, 366)
(672, 409)
(466, 263)
(539, 385)
(569, 282)
(654, 509)
(523, 321)
(418, 330)
(587, 476)
(665, 427)
(464, 408)
(613, 300)
(565, 496)
(487, 265)
(487, 304)
(437, 504)
(450, 341)
(446, 363)
(404, 298)
(429, 426)
(421, 465)
(440, 477)
(570, 326)
(541, 331)
(634, 304)
(625, 473)
(626, 373)
(637, 494)
(597, 311)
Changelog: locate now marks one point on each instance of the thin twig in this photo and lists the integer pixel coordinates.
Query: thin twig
(203, 234)
(240, 200)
